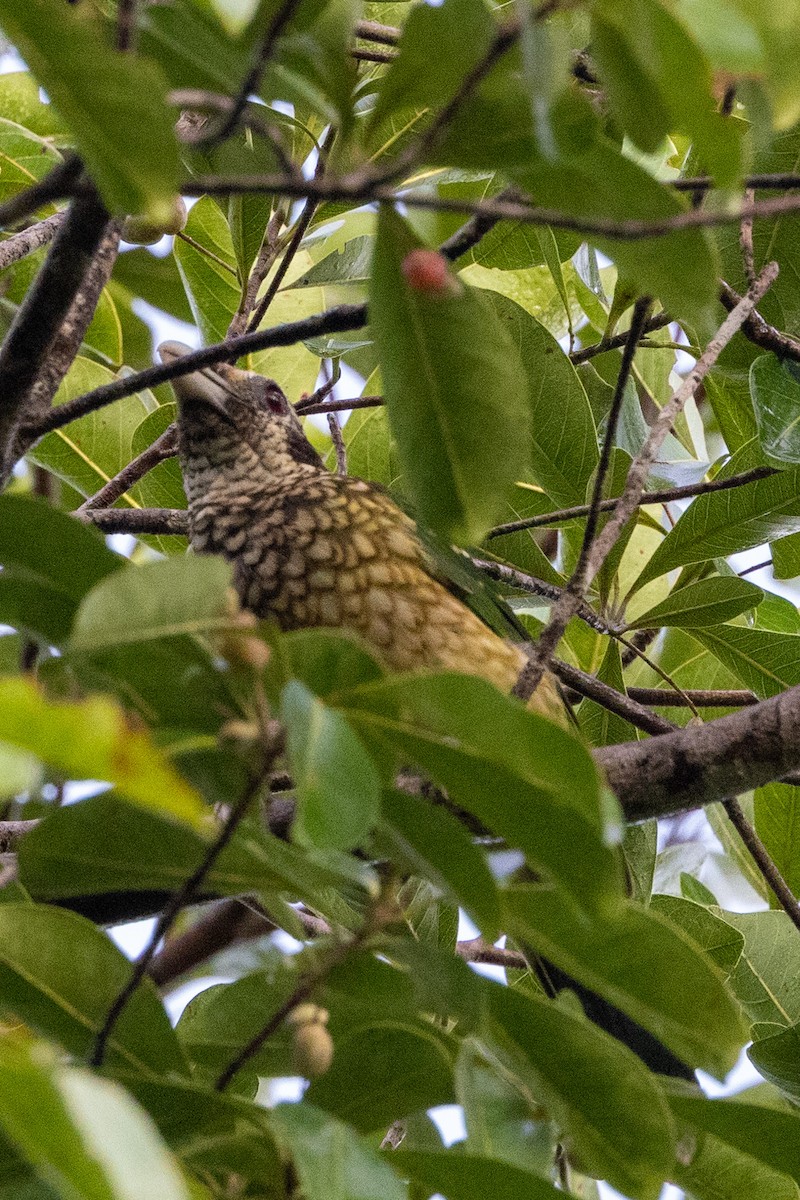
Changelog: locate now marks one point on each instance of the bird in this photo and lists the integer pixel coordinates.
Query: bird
(312, 549)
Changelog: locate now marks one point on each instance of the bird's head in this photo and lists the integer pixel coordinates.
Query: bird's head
(222, 406)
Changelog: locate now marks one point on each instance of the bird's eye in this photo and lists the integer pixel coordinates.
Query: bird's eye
(275, 400)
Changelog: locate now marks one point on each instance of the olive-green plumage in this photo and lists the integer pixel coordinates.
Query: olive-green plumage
(314, 549)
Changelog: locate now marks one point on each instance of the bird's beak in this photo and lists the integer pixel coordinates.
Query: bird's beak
(212, 386)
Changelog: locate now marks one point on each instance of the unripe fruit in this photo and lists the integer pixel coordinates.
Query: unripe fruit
(312, 1044)
(143, 232)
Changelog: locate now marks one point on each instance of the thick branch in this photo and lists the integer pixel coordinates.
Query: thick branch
(701, 764)
(41, 315)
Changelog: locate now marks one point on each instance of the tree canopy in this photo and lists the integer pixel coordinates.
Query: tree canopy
(532, 268)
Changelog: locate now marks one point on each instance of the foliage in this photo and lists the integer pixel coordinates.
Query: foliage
(527, 143)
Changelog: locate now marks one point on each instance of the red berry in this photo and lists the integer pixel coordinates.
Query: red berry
(427, 271)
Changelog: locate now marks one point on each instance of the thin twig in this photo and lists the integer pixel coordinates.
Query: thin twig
(261, 60)
(609, 698)
(761, 857)
(663, 496)
(126, 23)
(180, 899)
(373, 56)
(746, 241)
(305, 408)
(198, 99)
(338, 443)
(700, 698)
(162, 448)
(377, 916)
(618, 340)
(341, 319)
(640, 467)
(160, 522)
(19, 245)
(300, 229)
(371, 31)
(572, 597)
(367, 187)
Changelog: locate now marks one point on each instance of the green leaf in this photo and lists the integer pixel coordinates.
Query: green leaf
(482, 748)
(338, 786)
(564, 437)
(771, 1136)
(351, 264)
(429, 842)
(764, 661)
(24, 157)
(208, 270)
(727, 522)
(117, 111)
(21, 102)
(382, 1073)
(60, 975)
(668, 986)
(767, 977)
(628, 1140)
(503, 1120)
(648, 97)
(465, 1176)
(19, 771)
(722, 943)
(48, 545)
(82, 1134)
(777, 821)
(707, 602)
(154, 278)
(455, 35)
(777, 1057)
(455, 391)
(89, 452)
(156, 600)
(775, 388)
(93, 740)
(330, 1162)
(104, 845)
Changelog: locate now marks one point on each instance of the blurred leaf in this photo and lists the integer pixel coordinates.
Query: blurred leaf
(21, 102)
(455, 391)
(429, 842)
(466, 1176)
(330, 1162)
(84, 1135)
(764, 1133)
(648, 97)
(707, 602)
(669, 986)
(383, 1073)
(93, 740)
(777, 1057)
(44, 543)
(156, 600)
(482, 747)
(504, 1122)
(104, 845)
(775, 388)
(117, 112)
(338, 786)
(630, 1142)
(59, 975)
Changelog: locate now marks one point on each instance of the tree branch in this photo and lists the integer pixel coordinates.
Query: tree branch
(39, 319)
